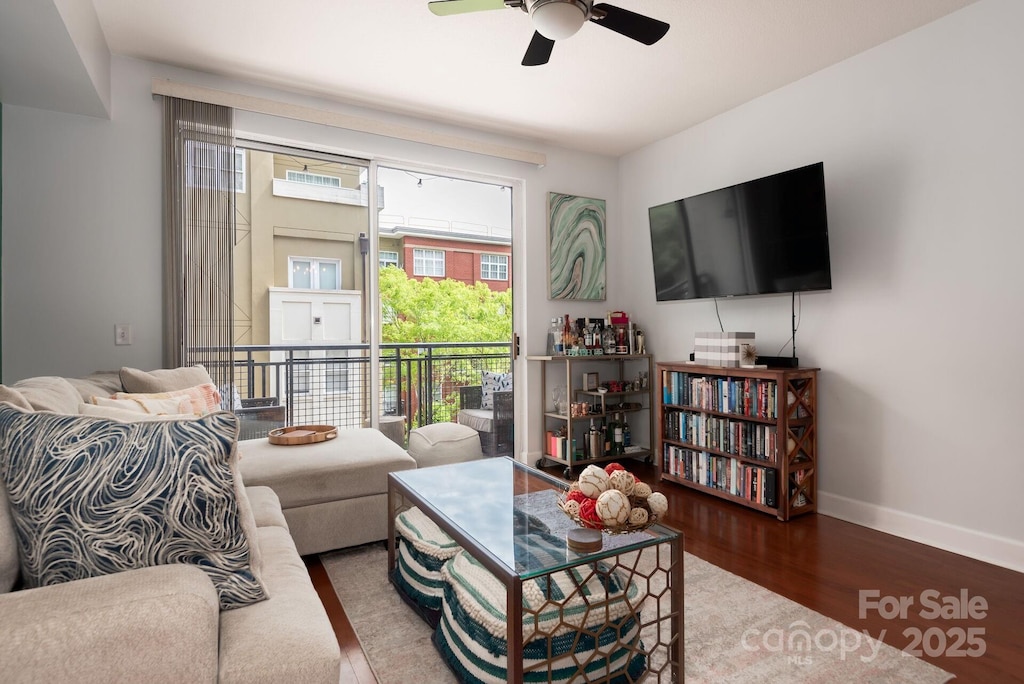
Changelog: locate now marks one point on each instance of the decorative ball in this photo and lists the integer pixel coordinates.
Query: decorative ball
(588, 514)
(612, 467)
(593, 481)
(642, 490)
(657, 503)
(638, 516)
(613, 507)
(576, 495)
(572, 508)
(622, 481)
(574, 487)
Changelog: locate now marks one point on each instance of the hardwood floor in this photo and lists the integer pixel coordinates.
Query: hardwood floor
(824, 564)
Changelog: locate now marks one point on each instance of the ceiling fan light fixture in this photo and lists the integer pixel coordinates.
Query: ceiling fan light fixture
(558, 19)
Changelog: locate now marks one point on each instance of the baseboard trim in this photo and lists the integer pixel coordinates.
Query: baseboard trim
(982, 546)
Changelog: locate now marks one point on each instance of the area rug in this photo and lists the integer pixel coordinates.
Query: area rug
(736, 631)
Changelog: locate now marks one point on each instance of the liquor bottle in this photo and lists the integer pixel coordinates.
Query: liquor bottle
(588, 338)
(567, 337)
(617, 447)
(609, 430)
(627, 436)
(608, 339)
(559, 338)
(553, 334)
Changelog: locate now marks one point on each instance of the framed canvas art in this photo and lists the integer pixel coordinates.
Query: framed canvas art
(576, 247)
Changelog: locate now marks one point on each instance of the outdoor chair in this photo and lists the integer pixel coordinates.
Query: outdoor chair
(494, 425)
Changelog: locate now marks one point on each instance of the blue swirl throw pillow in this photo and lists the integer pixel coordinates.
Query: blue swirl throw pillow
(91, 496)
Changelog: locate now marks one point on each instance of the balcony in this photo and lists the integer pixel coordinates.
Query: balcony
(329, 384)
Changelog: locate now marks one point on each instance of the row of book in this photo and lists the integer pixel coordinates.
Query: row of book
(742, 438)
(744, 480)
(744, 396)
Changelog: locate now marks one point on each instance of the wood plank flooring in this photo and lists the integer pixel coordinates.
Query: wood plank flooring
(824, 564)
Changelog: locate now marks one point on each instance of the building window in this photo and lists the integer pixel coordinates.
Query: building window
(209, 165)
(493, 267)
(313, 179)
(428, 262)
(388, 258)
(314, 274)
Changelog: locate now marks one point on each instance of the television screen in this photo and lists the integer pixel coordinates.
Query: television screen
(764, 236)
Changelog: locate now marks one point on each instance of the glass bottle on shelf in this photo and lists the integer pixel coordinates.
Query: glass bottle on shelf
(617, 447)
(567, 336)
(608, 432)
(556, 331)
(627, 437)
(553, 333)
(608, 339)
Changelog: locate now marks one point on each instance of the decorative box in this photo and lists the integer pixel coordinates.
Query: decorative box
(721, 348)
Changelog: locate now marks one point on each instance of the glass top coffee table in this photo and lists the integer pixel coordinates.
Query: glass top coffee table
(505, 515)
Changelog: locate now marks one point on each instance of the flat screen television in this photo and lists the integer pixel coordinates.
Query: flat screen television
(765, 236)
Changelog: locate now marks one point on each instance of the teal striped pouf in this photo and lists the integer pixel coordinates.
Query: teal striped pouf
(422, 549)
(589, 637)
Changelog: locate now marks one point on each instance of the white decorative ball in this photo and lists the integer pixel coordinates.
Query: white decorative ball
(572, 508)
(593, 481)
(657, 503)
(638, 516)
(642, 490)
(613, 507)
(623, 481)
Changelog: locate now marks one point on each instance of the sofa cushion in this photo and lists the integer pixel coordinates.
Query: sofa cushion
(287, 638)
(491, 383)
(13, 397)
(146, 404)
(478, 419)
(266, 507)
(98, 384)
(127, 416)
(91, 497)
(204, 398)
(164, 379)
(49, 393)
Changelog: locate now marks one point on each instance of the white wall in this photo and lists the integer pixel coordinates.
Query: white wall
(82, 222)
(919, 340)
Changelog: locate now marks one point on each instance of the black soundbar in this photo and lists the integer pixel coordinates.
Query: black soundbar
(772, 361)
(779, 361)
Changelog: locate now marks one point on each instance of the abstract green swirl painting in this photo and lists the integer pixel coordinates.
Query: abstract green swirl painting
(576, 247)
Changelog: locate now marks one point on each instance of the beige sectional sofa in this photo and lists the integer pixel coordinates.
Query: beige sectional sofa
(163, 623)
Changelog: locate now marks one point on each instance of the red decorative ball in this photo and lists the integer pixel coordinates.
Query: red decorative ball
(589, 516)
(612, 467)
(576, 495)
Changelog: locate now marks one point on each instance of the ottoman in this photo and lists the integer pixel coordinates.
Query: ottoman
(423, 548)
(585, 620)
(334, 494)
(442, 443)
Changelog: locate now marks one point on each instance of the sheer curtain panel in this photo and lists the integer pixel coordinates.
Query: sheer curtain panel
(199, 226)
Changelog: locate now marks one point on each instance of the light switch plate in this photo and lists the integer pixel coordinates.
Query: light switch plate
(122, 334)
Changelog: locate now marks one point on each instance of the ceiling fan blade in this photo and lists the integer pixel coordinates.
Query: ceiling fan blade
(443, 8)
(630, 24)
(539, 51)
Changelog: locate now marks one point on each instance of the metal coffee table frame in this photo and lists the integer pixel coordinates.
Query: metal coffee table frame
(443, 494)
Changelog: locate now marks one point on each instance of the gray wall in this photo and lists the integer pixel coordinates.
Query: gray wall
(919, 341)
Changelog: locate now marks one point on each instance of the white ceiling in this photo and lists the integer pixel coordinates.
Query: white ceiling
(601, 92)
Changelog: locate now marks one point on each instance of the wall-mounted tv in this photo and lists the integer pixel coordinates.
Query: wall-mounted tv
(764, 236)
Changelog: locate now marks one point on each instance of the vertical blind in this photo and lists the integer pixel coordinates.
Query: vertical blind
(199, 228)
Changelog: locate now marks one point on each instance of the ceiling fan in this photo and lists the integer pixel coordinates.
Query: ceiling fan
(559, 19)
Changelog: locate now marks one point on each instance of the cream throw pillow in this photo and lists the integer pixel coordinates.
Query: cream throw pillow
(144, 404)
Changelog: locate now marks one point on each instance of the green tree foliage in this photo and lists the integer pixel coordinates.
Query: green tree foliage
(442, 310)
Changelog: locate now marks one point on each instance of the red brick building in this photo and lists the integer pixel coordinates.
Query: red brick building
(466, 257)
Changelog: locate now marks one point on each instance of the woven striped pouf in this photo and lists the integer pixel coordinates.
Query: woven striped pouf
(587, 642)
(422, 549)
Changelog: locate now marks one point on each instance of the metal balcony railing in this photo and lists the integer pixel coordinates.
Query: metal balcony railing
(329, 384)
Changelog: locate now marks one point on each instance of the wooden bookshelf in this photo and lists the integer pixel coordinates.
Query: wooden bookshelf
(747, 435)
